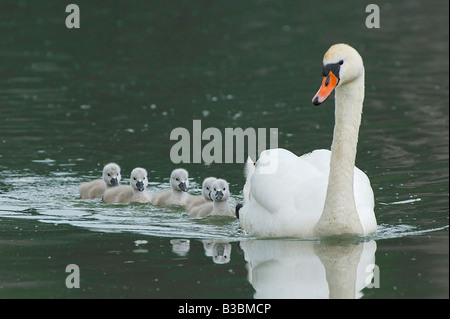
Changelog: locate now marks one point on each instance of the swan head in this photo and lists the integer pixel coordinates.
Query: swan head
(342, 64)
(111, 174)
(221, 190)
(179, 180)
(207, 188)
(138, 179)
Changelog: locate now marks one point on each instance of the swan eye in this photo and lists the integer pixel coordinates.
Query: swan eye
(341, 62)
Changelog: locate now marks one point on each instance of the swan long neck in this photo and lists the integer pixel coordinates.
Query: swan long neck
(339, 213)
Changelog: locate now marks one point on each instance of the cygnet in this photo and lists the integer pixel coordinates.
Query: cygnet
(220, 206)
(197, 200)
(96, 188)
(177, 194)
(135, 192)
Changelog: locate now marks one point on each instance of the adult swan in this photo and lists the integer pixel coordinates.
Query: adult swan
(321, 193)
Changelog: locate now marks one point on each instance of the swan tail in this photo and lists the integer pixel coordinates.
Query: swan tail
(249, 169)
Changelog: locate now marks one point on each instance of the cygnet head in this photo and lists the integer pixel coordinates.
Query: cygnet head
(207, 187)
(342, 64)
(222, 253)
(221, 191)
(111, 174)
(179, 180)
(138, 179)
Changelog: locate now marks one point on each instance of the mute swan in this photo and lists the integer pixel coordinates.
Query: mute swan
(197, 200)
(177, 195)
(220, 206)
(321, 193)
(96, 188)
(135, 192)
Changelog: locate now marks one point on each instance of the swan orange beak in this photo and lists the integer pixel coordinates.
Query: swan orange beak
(329, 82)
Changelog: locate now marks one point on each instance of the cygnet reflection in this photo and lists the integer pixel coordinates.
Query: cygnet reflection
(308, 269)
(180, 246)
(220, 251)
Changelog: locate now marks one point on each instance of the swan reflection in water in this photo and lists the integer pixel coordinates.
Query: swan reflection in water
(308, 269)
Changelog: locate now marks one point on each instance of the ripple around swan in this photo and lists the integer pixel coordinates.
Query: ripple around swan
(56, 201)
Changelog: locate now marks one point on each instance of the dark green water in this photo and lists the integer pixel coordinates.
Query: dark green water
(72, 100)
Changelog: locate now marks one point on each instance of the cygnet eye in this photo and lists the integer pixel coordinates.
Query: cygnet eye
(109, 174)
(144, 177)
(134, 178)
(207, 188)
(177, 180)
(224, 188)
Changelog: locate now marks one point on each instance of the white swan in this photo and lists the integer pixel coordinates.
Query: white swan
(135, 192)
(321, 193)
(95, 189)
(220, 206)
(197, 200)
(177, 194)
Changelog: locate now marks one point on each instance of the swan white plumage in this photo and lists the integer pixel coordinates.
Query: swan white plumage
(95, 189)
(177, 194)
(321, 193)
(249, 169)
(197, 200)
(135, 192)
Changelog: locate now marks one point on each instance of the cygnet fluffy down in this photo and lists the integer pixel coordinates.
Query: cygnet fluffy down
(177, 194)
(220, 206)
(96, 188)
(135, 192)
(206, 197)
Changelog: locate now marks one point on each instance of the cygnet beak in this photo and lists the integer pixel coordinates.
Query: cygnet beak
(182, 186)
(114, 182)
(140, 186)
(219, 195)
(220, 248)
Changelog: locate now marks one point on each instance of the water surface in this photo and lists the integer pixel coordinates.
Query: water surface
(113, 90)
